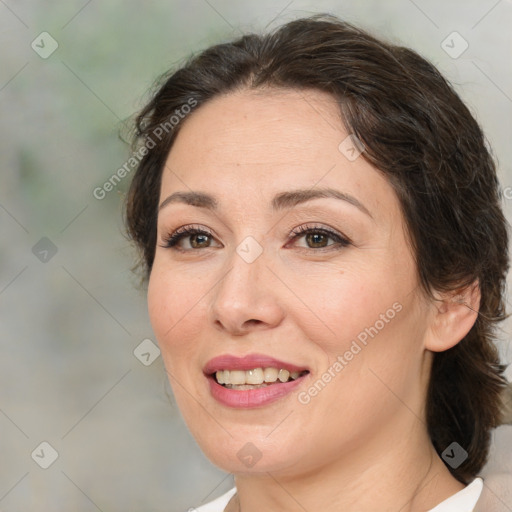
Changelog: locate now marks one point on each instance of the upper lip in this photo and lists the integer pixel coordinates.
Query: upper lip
(248, 362)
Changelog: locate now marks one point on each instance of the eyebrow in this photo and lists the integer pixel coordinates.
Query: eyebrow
(281, 201)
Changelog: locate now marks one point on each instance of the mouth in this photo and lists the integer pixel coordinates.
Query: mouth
(253, 380)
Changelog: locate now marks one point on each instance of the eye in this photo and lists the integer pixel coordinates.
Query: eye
(317, 237)
(187, 238)
(191, 236)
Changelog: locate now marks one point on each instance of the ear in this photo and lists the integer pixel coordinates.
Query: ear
(454, 314)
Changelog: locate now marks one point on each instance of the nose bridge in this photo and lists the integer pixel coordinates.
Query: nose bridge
(243, 296)
(240, 284)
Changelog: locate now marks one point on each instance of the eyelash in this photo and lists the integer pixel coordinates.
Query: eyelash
(171, 241)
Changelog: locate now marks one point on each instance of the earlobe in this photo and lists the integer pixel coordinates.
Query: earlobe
(454, 314)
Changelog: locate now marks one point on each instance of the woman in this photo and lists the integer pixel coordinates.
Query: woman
(319, 222)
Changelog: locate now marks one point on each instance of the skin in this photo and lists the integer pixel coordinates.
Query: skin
(361, 443)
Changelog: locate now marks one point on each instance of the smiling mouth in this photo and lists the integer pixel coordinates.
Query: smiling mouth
(255, 378)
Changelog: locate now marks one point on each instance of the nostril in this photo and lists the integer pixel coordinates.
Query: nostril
(252, 321)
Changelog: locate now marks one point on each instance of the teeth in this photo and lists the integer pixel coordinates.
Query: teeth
(254, 376)
(257, 376)
(284, 375)
(236, 377)
(270, 374)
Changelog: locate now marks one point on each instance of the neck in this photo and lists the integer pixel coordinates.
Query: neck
(404, 473)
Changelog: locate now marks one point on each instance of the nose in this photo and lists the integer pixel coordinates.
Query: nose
(246, 298)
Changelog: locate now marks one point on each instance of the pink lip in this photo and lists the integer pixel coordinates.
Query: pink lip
(249, 398)
(248, 362)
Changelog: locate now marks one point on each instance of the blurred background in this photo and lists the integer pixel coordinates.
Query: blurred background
(87, 420)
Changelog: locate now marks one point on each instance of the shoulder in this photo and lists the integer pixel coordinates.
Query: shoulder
(496, 494)
(217, 505)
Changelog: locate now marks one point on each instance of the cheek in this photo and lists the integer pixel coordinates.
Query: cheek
(375, 358)
(338, 307)
(160, 307)
(175, 313)
(367, 325)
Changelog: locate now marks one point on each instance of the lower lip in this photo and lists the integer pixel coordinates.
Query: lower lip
(248, 398)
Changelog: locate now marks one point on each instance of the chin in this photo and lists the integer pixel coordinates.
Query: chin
(251, 453)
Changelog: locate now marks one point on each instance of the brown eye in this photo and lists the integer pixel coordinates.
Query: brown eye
(189, 238)
(316, 240)
(199, 240)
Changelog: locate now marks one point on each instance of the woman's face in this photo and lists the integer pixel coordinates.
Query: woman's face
(299, 263)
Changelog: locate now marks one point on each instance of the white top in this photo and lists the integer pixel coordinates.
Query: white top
(463, 501)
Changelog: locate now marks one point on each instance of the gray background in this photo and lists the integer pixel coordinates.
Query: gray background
(70, 321)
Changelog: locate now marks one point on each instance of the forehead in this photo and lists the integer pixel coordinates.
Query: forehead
(264, 126)
(267, 141)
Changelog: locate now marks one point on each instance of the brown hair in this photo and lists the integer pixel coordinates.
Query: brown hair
(419, 133)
